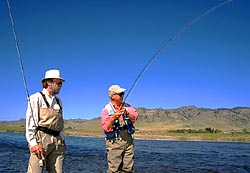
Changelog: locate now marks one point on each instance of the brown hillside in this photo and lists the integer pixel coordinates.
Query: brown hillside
(155, 122)
(195, 118)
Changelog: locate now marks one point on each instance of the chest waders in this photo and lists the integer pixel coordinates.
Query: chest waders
(117, 127)
(49, 122)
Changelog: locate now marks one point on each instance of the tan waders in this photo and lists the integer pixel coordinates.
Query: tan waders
(54, 155)
(48, 136)
(120, 153)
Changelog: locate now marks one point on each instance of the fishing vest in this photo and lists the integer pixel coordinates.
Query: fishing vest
(118, 126)
(51, 118)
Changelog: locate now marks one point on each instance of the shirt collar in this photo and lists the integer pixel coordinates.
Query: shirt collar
(47, 93)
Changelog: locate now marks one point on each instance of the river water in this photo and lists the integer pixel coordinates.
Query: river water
(88, 155)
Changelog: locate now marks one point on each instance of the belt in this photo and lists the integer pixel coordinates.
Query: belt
(48, 131)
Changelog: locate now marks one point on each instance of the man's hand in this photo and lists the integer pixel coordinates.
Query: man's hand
(124, 110)
(37, 149)
(116, 115)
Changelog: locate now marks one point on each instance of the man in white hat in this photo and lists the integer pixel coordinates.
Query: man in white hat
(117, 122)
(45, 125)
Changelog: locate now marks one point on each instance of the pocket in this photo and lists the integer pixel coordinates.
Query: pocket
(131, 128)
(46, 140)
(110, 134)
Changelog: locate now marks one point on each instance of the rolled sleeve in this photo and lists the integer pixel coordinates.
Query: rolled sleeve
(31, 120)
(133, 112)
(105, 117)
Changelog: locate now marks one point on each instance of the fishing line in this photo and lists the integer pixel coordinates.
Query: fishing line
(20, 59)
(176, 35)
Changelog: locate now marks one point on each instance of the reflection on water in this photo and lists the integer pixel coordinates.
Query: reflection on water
(86, 154)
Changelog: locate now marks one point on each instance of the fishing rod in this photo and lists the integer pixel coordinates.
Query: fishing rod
(19, 54)
(171, 39)
(41, 161)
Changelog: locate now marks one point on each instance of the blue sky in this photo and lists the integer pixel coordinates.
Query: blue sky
(98, 43)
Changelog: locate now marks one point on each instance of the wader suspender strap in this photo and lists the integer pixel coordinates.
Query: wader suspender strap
(57, 100)
(44, 98)
(47, 103)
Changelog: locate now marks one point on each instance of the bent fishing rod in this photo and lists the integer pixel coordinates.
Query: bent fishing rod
(171, 39)
(20, 59)
(42, 158)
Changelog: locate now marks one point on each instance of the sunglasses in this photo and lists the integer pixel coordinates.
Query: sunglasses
(120, 94)
(58, 82)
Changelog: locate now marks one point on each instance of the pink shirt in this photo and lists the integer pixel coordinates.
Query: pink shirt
(105, 116)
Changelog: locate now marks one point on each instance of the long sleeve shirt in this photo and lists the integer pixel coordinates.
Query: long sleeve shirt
(36, 102)
(105, 117)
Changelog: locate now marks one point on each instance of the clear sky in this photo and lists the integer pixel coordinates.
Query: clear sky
(98, 43)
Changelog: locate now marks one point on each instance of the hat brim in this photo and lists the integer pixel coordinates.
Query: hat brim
(51, 78)
(119, 91)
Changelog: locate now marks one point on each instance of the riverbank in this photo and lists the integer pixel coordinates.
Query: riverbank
(225, 137)
(150, 134)
(222, 137)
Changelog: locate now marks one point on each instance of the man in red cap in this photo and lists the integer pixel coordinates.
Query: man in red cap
(117, 122)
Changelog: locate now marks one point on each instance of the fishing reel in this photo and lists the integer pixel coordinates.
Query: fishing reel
(41, 163)
(41, 160)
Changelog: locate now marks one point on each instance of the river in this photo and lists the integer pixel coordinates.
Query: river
(88, 155)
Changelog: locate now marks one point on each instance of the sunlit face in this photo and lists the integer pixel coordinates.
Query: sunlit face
(118, 97)
(55, 86)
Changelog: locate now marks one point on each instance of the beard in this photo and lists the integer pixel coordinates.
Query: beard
(54, 90)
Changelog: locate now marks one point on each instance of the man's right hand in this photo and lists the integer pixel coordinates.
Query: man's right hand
(116, 115)
(37, 149)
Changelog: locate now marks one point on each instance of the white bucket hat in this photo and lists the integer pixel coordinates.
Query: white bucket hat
(52, 74)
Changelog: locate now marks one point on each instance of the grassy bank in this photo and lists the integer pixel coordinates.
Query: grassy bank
(226, 137)
(184, 135)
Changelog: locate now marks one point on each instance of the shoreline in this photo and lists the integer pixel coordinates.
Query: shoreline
(243, 138)
(163, 139)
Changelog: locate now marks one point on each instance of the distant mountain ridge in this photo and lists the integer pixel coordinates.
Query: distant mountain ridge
(186, 117)
(193, 117)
